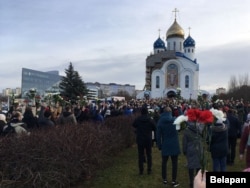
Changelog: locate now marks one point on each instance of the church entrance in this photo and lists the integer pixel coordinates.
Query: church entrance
(171, 94)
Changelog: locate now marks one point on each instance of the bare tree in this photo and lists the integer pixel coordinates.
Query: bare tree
(232, 86)
(243, 80)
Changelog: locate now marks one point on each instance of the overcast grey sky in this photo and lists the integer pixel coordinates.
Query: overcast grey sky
(109, 40)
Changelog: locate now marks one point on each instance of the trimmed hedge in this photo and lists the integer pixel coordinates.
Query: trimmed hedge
(64, 155)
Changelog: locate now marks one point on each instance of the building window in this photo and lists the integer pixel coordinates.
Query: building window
(157, 82)
(186, 81)
(174, 45)
(180, 46)
(188, 50)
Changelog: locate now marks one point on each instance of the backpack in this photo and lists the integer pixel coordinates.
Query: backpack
(8, 129)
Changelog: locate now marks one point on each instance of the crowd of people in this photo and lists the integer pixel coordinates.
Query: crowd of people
(24, 119)
(154, 125)
(222, 139)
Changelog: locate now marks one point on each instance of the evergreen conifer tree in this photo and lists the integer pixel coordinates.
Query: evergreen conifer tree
(72, 86)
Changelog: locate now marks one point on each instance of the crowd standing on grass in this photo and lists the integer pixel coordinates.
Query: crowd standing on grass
(161, 111)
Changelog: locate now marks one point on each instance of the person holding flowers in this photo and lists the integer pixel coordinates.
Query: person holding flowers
(194, 139)
(191, 142)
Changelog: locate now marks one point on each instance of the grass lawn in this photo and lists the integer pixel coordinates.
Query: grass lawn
(124, 171)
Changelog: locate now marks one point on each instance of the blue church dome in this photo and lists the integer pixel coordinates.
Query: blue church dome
(189, 42)
(159, 43)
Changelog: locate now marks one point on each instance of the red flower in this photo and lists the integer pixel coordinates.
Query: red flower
(196, 115)
(193, 114)
(206, 116)
(202, 116)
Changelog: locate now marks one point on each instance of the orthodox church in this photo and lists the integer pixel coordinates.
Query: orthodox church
(172, 68)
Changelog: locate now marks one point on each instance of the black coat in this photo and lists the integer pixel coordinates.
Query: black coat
(30, 120)
(192, 146)
(144, 126)
(219, 141)
(234, 126)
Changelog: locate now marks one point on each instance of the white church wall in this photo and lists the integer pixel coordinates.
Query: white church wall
(157, 92)
(178, 47)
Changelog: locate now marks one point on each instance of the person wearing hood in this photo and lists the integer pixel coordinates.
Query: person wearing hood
(144, 126)
(67, 117)
(219, 146)
(191, 144)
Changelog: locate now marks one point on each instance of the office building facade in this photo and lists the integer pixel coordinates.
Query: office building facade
(38, 80)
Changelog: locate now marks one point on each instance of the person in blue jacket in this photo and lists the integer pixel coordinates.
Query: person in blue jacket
(168, 143)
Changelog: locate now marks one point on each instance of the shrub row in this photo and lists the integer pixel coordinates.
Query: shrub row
(62, 156)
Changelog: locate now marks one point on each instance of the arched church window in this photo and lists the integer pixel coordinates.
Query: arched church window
(180, 46)
(186, 81)
(168, 45)
(172, 75)
(188, 50)
(174, 45)
(157, 82)
(192, 50)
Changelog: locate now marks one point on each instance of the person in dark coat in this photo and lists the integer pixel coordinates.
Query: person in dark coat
(144, 126)
(191, 145)
(84, 115)
(168, 142)
(219, 146)
(29, 118)
(156, 117)
(45, 118)
(233, 132)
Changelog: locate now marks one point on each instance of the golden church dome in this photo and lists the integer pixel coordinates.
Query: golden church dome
(175, 31)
